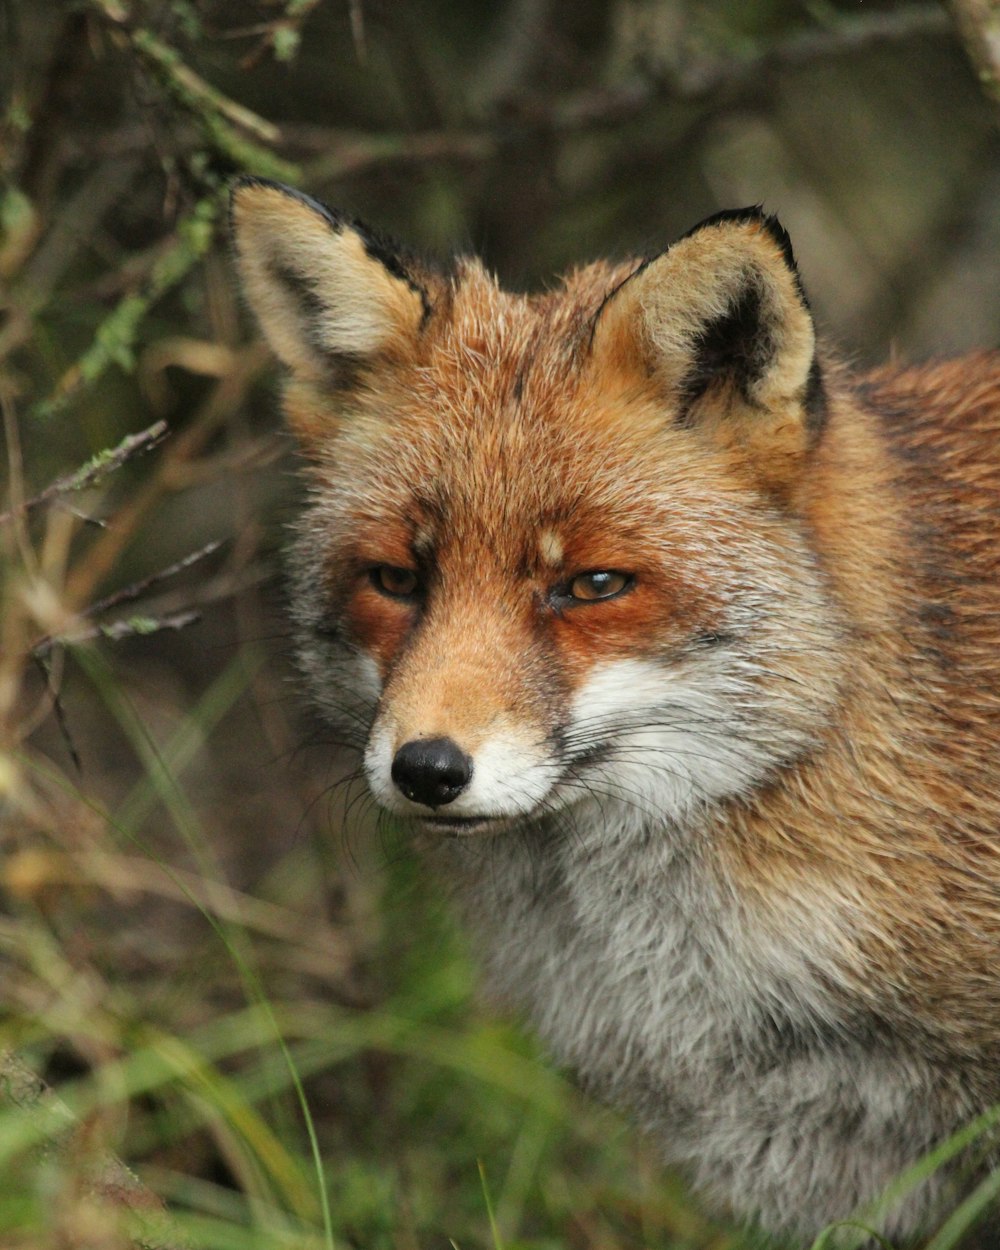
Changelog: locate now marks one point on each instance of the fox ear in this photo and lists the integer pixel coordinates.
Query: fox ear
(721, 322)
(326, 292)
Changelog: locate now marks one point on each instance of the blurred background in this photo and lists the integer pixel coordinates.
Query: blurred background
(231, 979)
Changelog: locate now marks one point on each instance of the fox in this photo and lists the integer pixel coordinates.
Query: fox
(671, 641)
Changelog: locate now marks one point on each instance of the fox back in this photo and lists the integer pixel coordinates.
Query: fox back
(674, 644)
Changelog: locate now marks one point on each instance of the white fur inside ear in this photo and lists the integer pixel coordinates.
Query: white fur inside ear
(710, 275)
(695, 285)
(312, 284)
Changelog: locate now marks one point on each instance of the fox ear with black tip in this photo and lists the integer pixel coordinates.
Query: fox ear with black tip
(721, 322)
(329, 294)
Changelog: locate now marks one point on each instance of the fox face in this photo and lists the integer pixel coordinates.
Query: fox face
(548, 561)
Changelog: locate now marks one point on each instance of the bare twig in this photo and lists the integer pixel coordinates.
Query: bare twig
(177, 456)
(15, 465)
(282, 35)
(193, 86)
(129, 594)
(215, 113)
(344, 154)
(41, 658)
(64, 79)
(115, 337)
(71, 232)
(358, 30)
(711, 78)
(97, 467)
(131, 627)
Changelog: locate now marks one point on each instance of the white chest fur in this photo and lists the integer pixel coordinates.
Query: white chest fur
(645, 975)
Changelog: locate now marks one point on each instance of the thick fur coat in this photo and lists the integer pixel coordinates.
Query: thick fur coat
(675, 645)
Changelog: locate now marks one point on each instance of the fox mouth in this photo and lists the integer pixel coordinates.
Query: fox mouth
(459, 826)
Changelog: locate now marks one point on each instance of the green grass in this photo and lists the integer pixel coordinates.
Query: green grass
(171, 1013)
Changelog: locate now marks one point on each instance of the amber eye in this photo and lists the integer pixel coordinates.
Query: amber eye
(602, 584)
(395, 582)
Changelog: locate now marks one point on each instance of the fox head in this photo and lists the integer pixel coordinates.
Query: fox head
(556, 551)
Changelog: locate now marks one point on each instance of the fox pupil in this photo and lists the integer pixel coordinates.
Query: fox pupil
(603, 584)
(396, 582)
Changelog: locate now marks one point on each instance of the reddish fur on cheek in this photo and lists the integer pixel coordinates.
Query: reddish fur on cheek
(379, 624)
(588, 633)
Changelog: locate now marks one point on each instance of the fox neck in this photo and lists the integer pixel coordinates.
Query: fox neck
(625, 943)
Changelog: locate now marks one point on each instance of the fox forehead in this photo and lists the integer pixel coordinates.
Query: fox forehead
(498, 419)
(527, 484)
(542, 333)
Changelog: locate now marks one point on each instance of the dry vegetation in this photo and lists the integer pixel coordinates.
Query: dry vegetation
(224, 978)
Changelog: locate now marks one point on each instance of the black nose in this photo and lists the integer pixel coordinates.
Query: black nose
(432, 771)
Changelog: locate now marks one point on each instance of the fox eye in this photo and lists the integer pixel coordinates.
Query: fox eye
(601, 584)
(395, 582)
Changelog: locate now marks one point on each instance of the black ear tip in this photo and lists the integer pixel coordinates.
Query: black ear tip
(246, 182)
(753, 214)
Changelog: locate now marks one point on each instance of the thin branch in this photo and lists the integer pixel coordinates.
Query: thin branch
(349, 153)
(96, 468)
(175, 461)
(75, 226)
(41, 659)
(358, 30)
(15, 466)
(192, 90)
(215, 113)
(129, 594)
(131, 627)
(709, 78)
(114, 340)
(282, 36)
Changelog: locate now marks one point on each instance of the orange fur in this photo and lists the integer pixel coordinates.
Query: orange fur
(798, 796)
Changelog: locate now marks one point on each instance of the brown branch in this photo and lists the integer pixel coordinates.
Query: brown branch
(129, 594)
(133, 627)
(64, 79)
(224, 122)
(95, 468)
(136, 626)
(178, 454)
(77, 223)
(730, 78)
(190, 87)
(349, 153)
